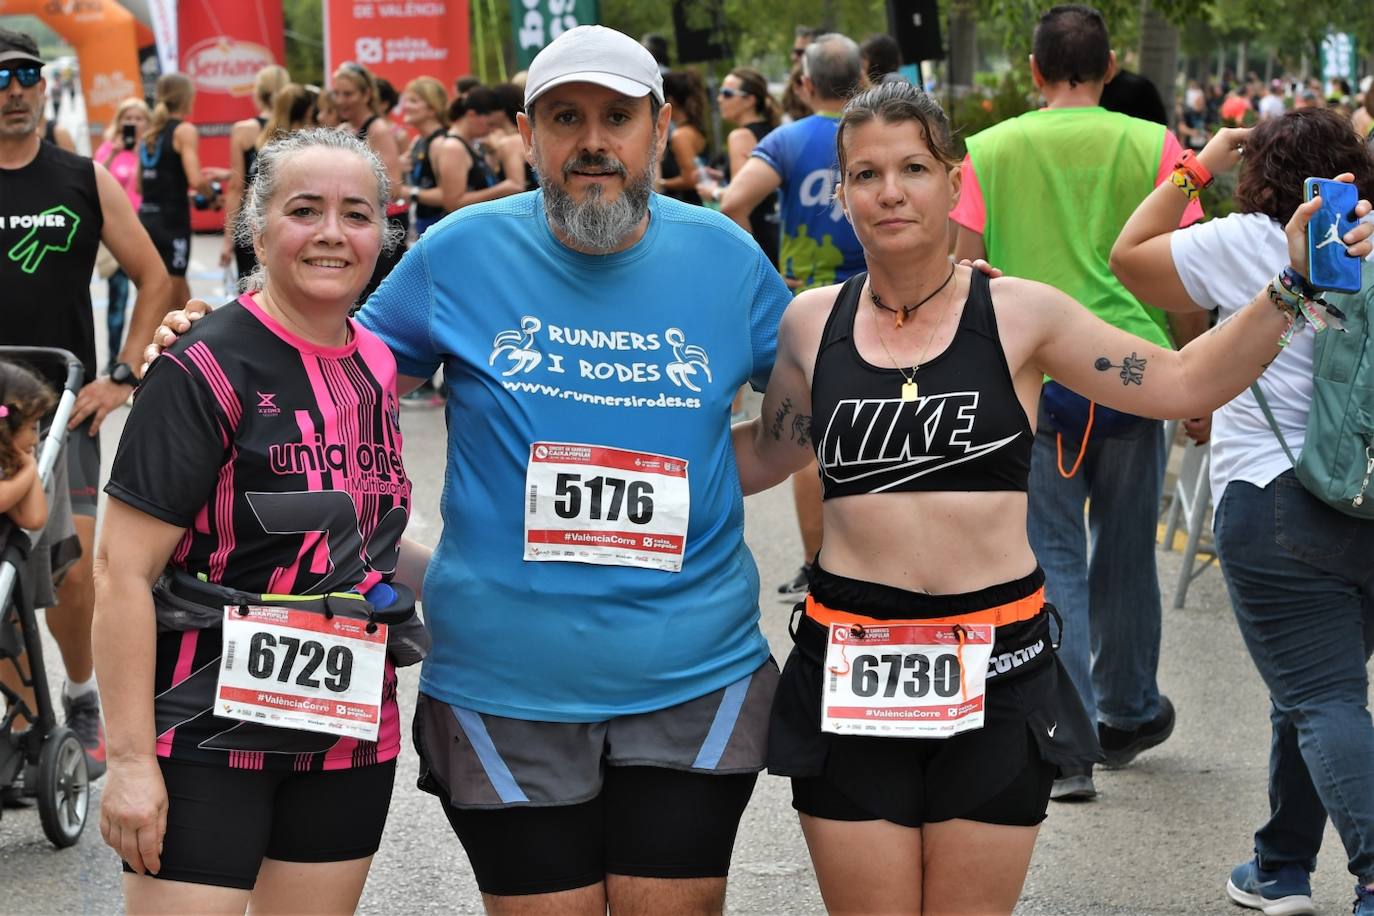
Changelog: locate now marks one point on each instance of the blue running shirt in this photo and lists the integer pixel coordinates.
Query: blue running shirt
(636, 352)
(818, 244)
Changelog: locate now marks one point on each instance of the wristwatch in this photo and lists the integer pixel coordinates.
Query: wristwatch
(415, 195)
(123, 374)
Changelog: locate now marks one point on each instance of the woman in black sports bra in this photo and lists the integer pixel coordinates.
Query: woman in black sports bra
(169, 168)
(923, 711)
(424, 105)
(355, 96)
(244, 142)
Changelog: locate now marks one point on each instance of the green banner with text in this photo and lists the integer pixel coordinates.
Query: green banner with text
(538, 22)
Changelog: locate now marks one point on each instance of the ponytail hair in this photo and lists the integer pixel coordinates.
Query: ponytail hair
(268, 83)
(687, 92)
(753, 82)
(174, 94)
(293, 107)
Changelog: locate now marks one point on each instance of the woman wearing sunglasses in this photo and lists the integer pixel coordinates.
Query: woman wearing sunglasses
(743, 100)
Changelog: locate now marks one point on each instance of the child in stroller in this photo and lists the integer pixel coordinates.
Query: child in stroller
(32, 746)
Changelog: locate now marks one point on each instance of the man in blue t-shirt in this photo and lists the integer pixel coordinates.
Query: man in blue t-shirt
(819, 247)
(594, 711)
(593, 714)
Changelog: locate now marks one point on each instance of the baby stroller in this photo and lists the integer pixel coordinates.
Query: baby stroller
(49, 757)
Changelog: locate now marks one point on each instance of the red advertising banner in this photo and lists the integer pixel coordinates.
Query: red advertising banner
(399, 39)
(222, 47)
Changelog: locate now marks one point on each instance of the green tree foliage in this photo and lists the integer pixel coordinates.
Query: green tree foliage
(304, 40)
(759, 31)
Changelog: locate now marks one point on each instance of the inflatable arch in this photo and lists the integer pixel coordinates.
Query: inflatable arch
(106, 37)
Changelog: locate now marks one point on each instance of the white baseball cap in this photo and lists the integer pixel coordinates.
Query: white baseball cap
(595, 54)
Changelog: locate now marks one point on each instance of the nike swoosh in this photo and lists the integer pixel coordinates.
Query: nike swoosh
(1052, 728)
(975, 452)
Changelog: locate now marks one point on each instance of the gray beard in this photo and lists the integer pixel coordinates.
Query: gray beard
(595, 225)
(19, 132)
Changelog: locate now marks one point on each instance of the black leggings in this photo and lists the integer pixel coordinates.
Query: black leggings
(648, 822)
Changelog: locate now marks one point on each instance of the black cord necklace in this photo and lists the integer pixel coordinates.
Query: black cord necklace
(904, 312)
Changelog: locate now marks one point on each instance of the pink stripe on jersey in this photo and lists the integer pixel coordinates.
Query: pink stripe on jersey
(340, 756)
(186, 654)
(219, 384)
(389, 730)
(247, 760)
(284, 579)
(224, 518)
(223, 433)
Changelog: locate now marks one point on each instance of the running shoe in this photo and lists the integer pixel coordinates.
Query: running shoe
(83, 717)
(1121, 746)
(1364, 901)
(1073, 785)
(794, 589)
(1282, 891)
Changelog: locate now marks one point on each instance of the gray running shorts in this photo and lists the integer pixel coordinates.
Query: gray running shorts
(475, 760)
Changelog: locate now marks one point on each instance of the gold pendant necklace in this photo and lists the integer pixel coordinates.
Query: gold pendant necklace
(910, 391)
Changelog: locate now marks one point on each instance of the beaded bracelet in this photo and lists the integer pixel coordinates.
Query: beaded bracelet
(1290, 292)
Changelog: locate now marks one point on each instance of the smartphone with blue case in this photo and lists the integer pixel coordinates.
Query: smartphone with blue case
(1328, 265)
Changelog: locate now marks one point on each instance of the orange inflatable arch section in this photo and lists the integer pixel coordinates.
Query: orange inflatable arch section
(106, 37)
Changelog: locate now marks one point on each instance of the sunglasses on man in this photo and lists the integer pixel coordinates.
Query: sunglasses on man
(28, 76)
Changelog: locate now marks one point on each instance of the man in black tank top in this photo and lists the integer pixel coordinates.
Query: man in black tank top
(55, 209)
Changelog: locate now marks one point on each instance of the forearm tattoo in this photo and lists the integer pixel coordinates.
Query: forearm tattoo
(798, 430)
(1132, 368)
(779, 418)
(1218, 326)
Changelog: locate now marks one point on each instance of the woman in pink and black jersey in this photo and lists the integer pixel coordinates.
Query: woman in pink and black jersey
(252, 581)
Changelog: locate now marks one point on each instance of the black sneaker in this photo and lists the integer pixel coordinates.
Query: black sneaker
(1121, 746)
(83, 717)
(1073, 785)
(794, 589)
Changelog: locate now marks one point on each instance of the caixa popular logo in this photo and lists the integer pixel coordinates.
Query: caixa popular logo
(368, 50)
(226, 65)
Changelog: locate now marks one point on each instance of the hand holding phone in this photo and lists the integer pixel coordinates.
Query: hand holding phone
(1329, 266)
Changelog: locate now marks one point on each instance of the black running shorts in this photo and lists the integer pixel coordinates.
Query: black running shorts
(222, 822)
(998, 774)
(173, 242)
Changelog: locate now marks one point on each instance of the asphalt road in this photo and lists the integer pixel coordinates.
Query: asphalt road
(1160, 839)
